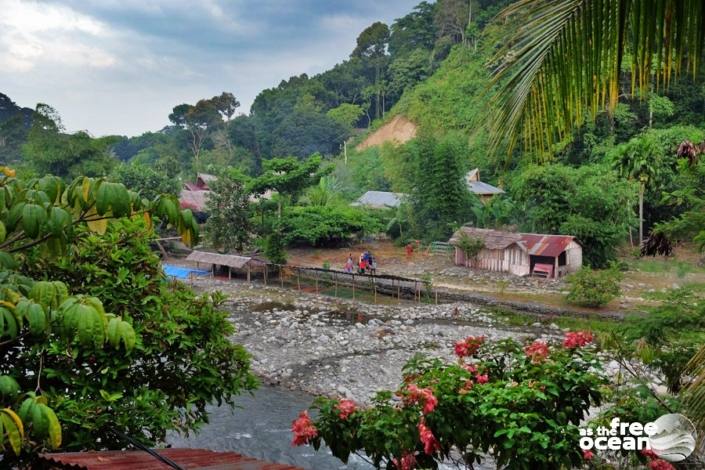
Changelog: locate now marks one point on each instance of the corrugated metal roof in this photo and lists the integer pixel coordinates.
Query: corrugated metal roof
(233, 261)
(494, 239)
(191, 459)
(379, 199)
(479, 187)
(206, 178)
(533, 243)
(545, 245)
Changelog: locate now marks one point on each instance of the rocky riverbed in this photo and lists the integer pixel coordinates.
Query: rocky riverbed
(337, 347)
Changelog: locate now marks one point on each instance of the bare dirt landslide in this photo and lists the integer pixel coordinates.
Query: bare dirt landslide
(345, 348)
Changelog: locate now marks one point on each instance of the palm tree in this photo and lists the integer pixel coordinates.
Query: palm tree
(639, 160)
(564, 61)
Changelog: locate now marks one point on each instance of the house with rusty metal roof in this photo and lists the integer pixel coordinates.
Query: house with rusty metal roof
(521, 254)
(483, 190)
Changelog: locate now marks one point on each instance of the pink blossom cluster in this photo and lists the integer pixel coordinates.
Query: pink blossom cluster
(303, 429)
(537, 351)
(577, 339)
(469, 383)
(656, 463)
(346, 408)
(429, 441)
(423, 396)
(469, 346)
(407, 462)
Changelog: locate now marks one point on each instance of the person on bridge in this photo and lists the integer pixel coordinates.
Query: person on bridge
(349, 264)
(362, 266)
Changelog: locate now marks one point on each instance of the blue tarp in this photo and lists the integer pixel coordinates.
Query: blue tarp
(182, 272)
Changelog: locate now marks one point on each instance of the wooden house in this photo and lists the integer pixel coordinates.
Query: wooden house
(521, 254)
(483, 190)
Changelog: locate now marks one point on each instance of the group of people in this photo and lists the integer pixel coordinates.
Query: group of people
(366, 264)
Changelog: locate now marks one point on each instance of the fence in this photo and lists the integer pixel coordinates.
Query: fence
(341, 283)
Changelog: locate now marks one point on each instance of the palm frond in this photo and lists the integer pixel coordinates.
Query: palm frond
(694, 392)
(564, 60)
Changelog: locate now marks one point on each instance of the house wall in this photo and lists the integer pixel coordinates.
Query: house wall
(511, 259)
(574, 257)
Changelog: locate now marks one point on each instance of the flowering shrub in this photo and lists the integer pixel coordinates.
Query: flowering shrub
(469, 346)
(498, 398)
(537, 352)
(303, 429)
(577, 339)
(346, 407)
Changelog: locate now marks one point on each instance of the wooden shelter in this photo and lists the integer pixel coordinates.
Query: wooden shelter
(521, 254)
(245, 264)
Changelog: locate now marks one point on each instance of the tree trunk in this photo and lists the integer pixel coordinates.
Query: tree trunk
(641, 212)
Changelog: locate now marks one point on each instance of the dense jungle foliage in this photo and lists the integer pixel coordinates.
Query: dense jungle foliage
(430, 67)
(96, 345)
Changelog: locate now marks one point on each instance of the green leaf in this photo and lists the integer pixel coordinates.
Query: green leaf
(8, 386)
(33, 217)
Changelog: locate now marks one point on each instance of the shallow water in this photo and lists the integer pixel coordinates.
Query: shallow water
(261, 428)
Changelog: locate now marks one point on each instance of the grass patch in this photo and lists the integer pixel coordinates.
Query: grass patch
(516, 319)
(657, 266)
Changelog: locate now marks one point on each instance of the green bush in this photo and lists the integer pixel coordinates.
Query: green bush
(593, 288)
(183, 359)
(327, 225)
(470, 246)
(273, 247)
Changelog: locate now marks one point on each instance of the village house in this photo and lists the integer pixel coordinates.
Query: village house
(194, 195)
(521, 254)
(379, 200)
(483, 190)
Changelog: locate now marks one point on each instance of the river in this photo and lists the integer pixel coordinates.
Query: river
(261, 427)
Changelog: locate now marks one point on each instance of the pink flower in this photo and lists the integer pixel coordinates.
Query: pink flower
(470, 368)
(537, 351)
(577, 339)
(429, 441)
(407, 462)
(424, 396)
(649, 454)
(588, 455)
(469, 346)
(346, 408)
(303, 429)
(467, 386)
(482, 379)
(660, 464)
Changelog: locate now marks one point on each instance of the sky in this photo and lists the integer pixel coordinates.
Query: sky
(120, 66)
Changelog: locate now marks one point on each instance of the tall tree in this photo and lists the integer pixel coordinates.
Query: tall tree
(564, 61)
(452, 18)
(228, 226)
(416, 30)
(639, 160)
(372, 47)
(226, 104)
(203, 117)
(288, 177)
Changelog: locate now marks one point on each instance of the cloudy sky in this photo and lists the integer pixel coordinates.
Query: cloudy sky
(119, 66)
